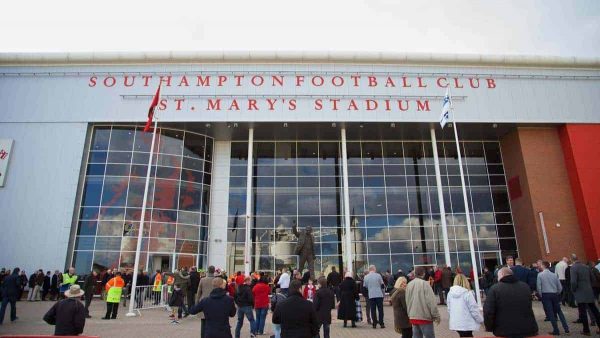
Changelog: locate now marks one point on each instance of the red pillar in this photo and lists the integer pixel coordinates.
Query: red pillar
(581, 148)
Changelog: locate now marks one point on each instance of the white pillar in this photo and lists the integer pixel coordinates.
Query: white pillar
(247, 240)
(440, 193)
(346, 199)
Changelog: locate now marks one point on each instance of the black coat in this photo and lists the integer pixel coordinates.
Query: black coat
(194, 281)
(54, 282)
(69, 317)
(31, 281)
(11, 288)
(348, 297)
(334, 278)
(324, 302)
(46, 286)
(217, 309)
(244, 296)
(89, 285)
(176, 298)
(297, 317)
(508, 311)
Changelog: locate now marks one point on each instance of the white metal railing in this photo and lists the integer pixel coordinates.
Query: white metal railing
(147, 298)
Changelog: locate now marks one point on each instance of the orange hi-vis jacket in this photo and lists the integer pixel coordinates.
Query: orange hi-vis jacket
(116, 282)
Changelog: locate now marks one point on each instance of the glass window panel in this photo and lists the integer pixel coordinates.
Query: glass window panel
(306, 170)
(85, 243)
(168, 172)
(112, 214)
(503, 218)
(473, 169)
(164, 215)
(495, 169)
(506, 230)
(329, 153)
(162, 230)
(237, 202)
(397, 200)
(194, 144)
(100, 138)
(355, 181)
(264, 153)
(82, 261)
(285, 153)
(395, 170)
(237, 182)
(353, 152)
(473, 152)
(95, 169)
(143, 141)
(162, 245)
(209, 149)
(238, 171)
(263, 202)
(422, 233)
(395, 181)
(92, 191)
(236, 235)
(118, 169)
(170, 141)
(478, 180)
(376, 221)
(108, 243)
(331, 221)
(308, 152)
(425, 259)
(119, 157)
(239, 153)
(392, 153)
(110, 228)
(401, 247)
(289, 182)
(105, 260)
(490, 244)
(400, 233)
(115, 191)
(329, 170)
(330, 202)
(382, 262)
(481, 199)
(186, 246)
(402, 262)
(330, 181)
(508, 244)
(500, 198)
(330, 248)
(423, 246)
(142, 171)
(372, 170)
(97, 157)
(329, 235)
(142, 158)
(413, 152)
(372, 153)
(194, 164)
(378, 248)
(166, 194)
(121, 139)
(308, 181)
(492, 152)
(263, 222)
(378, 233)
(87, 228)
(264, 182)
(304, 221)
(497, 180)
(264, 170)
(374, 181)
(375, 201)
(89, 213)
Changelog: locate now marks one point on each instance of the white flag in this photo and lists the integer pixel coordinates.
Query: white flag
(445, 109)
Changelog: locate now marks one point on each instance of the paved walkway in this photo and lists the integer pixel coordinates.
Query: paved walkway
(154, 323)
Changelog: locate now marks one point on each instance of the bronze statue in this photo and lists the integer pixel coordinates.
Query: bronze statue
(305, 248)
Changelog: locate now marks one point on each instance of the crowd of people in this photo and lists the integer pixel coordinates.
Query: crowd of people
(302, 304)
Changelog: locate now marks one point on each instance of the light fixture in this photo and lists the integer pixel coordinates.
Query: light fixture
(361, 125)
(228, 125)
(393, 125)
(235, 125)
(495, 125)
(285, 125)
(333, 125)
(207, 125)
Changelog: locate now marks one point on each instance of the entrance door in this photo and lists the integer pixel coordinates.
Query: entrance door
(160, 262)
(490, 259)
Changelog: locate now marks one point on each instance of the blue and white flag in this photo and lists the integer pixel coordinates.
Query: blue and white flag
(445, 109)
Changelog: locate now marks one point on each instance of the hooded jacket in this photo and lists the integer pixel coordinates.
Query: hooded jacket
(463, 310)
(420, 301)
(217, 309)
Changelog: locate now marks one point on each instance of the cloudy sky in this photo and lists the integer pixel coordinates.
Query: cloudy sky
(543, 27)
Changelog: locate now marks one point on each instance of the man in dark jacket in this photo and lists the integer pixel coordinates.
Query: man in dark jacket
(54, 285)
(324, 302)
(69, 314)
(581, 285)
(508, 310)
(520, 272)
(194, 281)
(217, 309)
(244, 299)
(333, 280)
(91, 280)
(11, 289)
(296, 315)
(46, 285)
(446, 283)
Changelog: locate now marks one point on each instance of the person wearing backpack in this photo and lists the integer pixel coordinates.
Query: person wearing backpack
(276, 298)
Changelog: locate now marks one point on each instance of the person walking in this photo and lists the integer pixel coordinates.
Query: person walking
(68, 315)
(446, 284)
(217, 308)
(365, 293)
(284, 281)
(347, 303)
(31, 286)
(560, 269)
(245, 301)
(324, 302)
(373, 282)
(38, 284)
(507, 311)
(296, 315)
(333, 281)
(261, 292)
(177, 304)
(581, 285)
(194, 281)
(54, 281)
(205, 287)
(23, 283)
(421, 305)
(11, 290)
(88, 287)
(463, 310)
(549, 287)
(398, 299)
(277, 298)
(114, 289)
(46, 286)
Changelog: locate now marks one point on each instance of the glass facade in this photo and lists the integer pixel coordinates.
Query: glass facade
(176, 222)
(395, 217)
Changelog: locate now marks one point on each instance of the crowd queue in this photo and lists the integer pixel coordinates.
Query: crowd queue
(302, 305)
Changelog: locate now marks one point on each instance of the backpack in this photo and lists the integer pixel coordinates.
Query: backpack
(276, 297)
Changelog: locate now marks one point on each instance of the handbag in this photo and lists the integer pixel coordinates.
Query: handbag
(358, 311)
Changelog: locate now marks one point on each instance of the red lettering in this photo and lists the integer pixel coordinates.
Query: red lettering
(168, 77)
(400, 105)
(112, 81)
(491, 83)
(473, 84)
(277, 79)
(355, 78)
(222, 79)
(214, 105)
(372, 104)
(439, 82)
(179, 101)
(203, 81)
(421, 84)
(318, 104)
(162, 105)
(389, 82)
(456, 84)
(257, 80)
(372, 81)
(271, 103)
(147, 79)
(234, 105)
(252, 104)
(292, 104)
(339, 82)
(184, 82)
(317, 83)
(238, 80)
(125, 81)
(299, 80)
(387, 105)
(93, 81)
(405, 83)
(334, 103)
(423, 105)
(352, 105)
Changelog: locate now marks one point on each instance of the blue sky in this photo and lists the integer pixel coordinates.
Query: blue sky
(548, 27)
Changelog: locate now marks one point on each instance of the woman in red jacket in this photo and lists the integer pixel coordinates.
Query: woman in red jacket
(261, 293)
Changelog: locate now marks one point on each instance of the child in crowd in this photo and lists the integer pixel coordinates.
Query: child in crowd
(309, 291)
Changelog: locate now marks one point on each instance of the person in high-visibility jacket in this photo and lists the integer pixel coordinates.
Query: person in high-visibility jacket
(114, 288)
(68, 279)
(157, 287)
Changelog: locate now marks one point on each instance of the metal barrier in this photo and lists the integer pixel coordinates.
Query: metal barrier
(147, 298)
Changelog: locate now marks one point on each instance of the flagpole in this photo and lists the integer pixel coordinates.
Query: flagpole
(467, 212)
(142, 218)
(440, 194)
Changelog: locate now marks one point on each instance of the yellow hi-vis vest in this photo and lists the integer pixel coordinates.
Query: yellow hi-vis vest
(157, 282)
(69, 280)
(115, 289)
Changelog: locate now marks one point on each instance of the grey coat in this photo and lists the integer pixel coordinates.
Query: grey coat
(581, 283)
(205, 287)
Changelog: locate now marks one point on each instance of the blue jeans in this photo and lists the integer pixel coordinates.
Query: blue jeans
(376, 306)
(13, 308)
(551, 304)
(261, 316)
(325, 330)
(423, 331)
(247, 311)
(277, 330)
